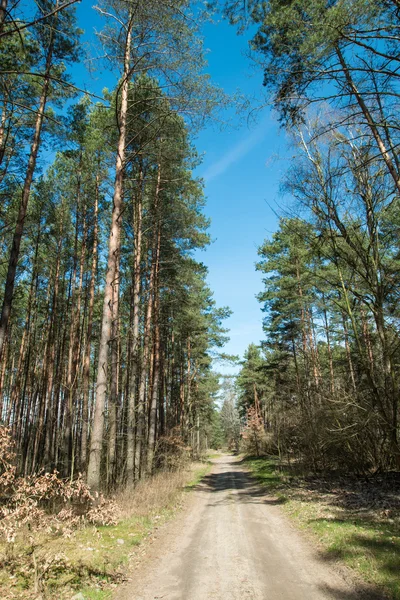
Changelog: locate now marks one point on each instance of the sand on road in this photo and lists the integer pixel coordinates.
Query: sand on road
(233, 542)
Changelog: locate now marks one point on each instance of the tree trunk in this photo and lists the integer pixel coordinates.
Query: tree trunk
(329, 347)
(93, 474)
(3, 14)
(19, 228)
(86, 359)
(141, 419)
(112, 402)
(348, 352)
(156, 370)
(130, 454)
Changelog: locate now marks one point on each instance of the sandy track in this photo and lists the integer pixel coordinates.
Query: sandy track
(234, 543)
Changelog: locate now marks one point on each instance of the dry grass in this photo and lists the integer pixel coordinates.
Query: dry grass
(149, 495)
(92, 560)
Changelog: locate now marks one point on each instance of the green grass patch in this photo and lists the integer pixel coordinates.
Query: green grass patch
(213, 454)
(266, 472)
(91, 594)
(202, 470)
(363, 540)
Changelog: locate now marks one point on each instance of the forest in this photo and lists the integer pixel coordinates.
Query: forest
(110, 337)
(107, 326)
(324, 385)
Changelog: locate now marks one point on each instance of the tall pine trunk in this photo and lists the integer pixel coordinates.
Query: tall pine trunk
(86, 359)
(156, 370)
(94, 467)
(130, 453)
(141, 412)
(19, 228)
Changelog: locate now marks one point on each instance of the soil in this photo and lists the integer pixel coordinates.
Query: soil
(232, 542)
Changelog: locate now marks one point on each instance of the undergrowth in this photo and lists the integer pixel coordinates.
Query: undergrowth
(57, 540)
(93, 559)
(355, 521)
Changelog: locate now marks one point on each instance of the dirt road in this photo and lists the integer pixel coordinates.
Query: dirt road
(234, 543)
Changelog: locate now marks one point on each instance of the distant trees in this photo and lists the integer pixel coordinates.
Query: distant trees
(230, 418)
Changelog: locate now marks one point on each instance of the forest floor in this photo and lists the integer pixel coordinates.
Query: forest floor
(353, 521)
(233, 541)
(89, 562)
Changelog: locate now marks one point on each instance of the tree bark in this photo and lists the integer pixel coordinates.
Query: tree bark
(94, 473)
(86, 359)
(141, 419)
(156, 371)
(130, 457)
(112, 402)
(19, 228)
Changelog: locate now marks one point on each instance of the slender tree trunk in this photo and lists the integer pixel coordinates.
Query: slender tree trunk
(50, 382)
(367, 339)
(156, 371)
(94, 473)
(112, 403)
(86, 359)
(304, 333)
(348, 352)
(296, 365)
(43, 369)
(76, 353)
(161, 407)
(3, 377)
(3, 120)
(141, 419)
(130, 457)
(71, 371)
(3, 14)
(19, 228)
(329, 347)
(182, 401)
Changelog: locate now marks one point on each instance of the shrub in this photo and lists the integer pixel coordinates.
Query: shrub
(172, 454)
(254, 439)
(45, 500)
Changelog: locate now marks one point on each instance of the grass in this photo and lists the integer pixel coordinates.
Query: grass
(347, 526)
(93, 560)
(213, 454)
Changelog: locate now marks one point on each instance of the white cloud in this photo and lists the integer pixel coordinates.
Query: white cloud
(237, 152)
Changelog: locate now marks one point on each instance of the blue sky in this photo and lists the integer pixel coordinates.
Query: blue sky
(242, 167)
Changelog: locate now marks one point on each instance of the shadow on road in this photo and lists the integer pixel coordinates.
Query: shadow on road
(362, 593)
(241, 485)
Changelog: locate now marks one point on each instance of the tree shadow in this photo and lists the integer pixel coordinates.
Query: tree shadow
(362, 512)
(362, 592)
(240, 485)
(359, 517)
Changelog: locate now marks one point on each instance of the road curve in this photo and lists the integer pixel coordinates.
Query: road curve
(234, 543)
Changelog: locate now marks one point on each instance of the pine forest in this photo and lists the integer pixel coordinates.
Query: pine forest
(121, 385)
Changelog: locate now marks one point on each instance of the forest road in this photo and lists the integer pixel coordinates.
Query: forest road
(232, 542)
